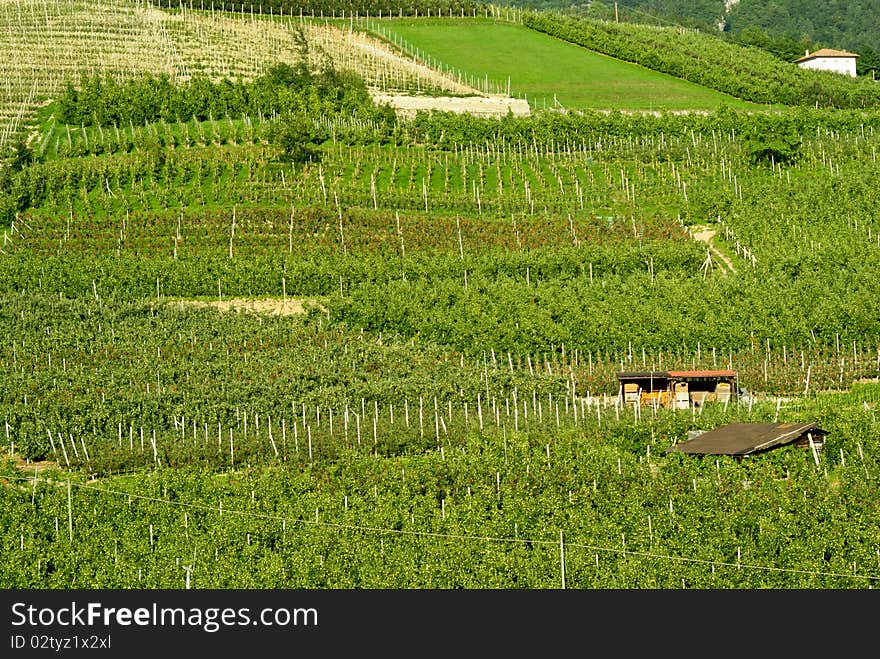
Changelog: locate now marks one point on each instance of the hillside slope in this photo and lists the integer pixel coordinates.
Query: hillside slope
(848, 25)
(747, 73)
(550, 72)
(64, 41)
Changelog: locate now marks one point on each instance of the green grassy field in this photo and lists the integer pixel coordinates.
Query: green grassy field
(541, 67)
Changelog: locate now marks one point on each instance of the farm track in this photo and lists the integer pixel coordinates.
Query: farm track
(272, 307)
(704, 234)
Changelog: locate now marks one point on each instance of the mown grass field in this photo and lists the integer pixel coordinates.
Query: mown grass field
(542, 68)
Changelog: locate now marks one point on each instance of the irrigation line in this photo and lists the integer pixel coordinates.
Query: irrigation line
(663, 22)
(451, 536)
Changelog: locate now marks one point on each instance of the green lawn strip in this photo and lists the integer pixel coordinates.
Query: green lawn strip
(541, 67)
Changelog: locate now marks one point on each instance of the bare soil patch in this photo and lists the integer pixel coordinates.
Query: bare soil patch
(495, 105)
(705, 235)
(31, 466)
(267, 306)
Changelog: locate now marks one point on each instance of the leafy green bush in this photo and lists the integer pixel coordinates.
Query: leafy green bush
(298, 138)
(772, 144)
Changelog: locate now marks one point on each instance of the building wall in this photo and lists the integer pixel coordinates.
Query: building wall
(845, 65)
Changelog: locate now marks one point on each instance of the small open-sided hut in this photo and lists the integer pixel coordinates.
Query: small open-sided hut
(739, 439)
(679, 389)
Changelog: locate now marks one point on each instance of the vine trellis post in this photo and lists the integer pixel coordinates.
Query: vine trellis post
(562, 558)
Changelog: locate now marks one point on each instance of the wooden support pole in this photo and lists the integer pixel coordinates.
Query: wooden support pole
(69, 512)
(562, 558)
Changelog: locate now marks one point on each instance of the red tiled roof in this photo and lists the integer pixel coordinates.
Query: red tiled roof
(826, 52)
(702, 374)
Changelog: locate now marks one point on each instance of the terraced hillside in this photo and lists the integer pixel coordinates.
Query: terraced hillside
(303, 343)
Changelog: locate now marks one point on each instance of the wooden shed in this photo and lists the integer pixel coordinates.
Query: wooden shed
(739, 439)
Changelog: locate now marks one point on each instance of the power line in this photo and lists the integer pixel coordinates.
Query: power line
(660, 21)
(458, 537)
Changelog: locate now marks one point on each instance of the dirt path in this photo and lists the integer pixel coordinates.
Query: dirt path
(270, 306)
(705, 235)
(30, 467)
(493, 105)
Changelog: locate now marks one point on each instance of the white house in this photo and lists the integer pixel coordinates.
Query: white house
(826, 59)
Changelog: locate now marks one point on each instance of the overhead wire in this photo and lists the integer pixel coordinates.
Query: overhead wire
(456, 537)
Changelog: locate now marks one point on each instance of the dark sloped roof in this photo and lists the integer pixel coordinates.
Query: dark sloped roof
(745, 438)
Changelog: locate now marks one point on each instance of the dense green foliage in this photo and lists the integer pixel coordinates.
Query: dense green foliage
(103, 101)
(850, 25)
(483, 509)
(540, 169)
(429, 398)
(554, 129)
(298, 138)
